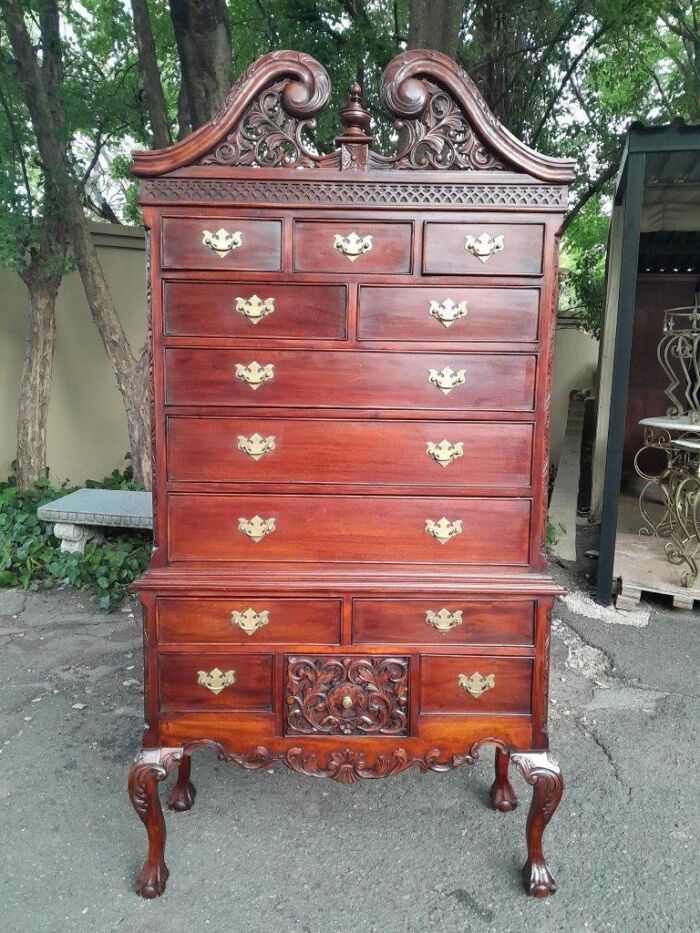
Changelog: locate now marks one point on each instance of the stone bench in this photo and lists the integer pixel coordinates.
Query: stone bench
(79, 516)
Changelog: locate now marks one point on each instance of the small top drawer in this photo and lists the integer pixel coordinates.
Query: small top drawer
(221, 243)
(482, 248)
(354, 246)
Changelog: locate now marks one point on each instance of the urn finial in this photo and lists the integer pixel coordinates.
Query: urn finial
(355, 141)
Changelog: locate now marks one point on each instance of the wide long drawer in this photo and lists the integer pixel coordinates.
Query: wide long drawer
(362, 453)
(348, 528)
(254, 309)
(437, 620)
(350, 379)
(473, 685)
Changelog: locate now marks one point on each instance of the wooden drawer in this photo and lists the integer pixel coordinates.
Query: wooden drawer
(254, 309)
(203, 681)
(444, 251)
(448, 314)
(246, 621)
(362, 453)
(437, 620)
(346, 695)
(350, 379)
(389, 246)
(260, 246)
(347, 528)
(446, 683)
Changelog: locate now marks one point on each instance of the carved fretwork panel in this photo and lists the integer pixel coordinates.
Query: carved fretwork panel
(348, 696)
(268, 136)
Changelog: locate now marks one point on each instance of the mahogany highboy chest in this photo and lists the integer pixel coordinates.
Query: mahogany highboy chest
(351, 361)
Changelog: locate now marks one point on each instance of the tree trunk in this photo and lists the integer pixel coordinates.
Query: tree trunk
(35, 381)
(150, 75)
(203, 40)
(435, 25)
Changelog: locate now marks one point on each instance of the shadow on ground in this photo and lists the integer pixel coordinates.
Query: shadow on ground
(271, 853)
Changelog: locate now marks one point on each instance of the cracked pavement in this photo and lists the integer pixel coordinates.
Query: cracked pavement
(270, 853)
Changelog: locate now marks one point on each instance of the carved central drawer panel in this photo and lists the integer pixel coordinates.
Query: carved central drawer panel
(346, 696)
(352, 246)
(330, 451)
(221, 243)
(245, 621)
(447, 313)
(437, 620)
(346, 528)
(254, 310)
(215, 681)
(284, 378)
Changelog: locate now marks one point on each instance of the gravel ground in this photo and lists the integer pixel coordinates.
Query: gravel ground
(271, 853)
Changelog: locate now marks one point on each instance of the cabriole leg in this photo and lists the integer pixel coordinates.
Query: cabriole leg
(543, 773)
(182, 793)
(149, 768)
(502, 794)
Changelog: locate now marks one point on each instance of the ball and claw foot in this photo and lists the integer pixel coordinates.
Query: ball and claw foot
(150, 881)
(538, 879)
(183, 792)
(502, 794)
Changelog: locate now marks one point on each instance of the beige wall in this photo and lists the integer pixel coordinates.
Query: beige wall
(87, 435)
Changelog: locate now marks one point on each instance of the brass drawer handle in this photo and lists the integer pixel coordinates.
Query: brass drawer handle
(256, 446)
(476, 684)
(447, 379)
(216, 680)
(254, 374)
(444, 620)
(352, 245)
(484, 246)
(444, 452)
(447, 312)
(256, 527)
(254, 308)
(443, 530)
(222, 242)
(250, 620)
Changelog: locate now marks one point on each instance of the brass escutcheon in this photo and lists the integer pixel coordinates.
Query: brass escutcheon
(352, 245)
(222, 242)
(250, 620)
(254, 308)
(484, 246)
(256, 446)
(444, 452)
(216, 680)
(256, 527)
(447, 379)
(447, 312)
(254, 374)
(443, 530)
(444, 620)
(476, 684)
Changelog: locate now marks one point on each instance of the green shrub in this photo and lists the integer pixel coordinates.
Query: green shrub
(30, 556)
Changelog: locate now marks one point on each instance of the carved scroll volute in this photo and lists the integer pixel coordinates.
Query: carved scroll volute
(263, 120)
(443, 122)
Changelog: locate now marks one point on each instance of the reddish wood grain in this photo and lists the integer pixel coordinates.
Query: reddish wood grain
(403, 621)
(440, 691)
(314, 250)
(402, 313)
(332, 528)
(497, 382)
(208, 309)
(350, 452)
(444, 252)
(188, 621)
(179, 689)
(182, 247)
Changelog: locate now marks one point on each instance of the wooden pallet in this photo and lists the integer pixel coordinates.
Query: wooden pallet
(641, 565)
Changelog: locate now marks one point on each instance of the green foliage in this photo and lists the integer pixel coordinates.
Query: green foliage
(30, 556)
(583, 267)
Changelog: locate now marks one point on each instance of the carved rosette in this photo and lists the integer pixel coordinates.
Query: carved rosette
(349, 696)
